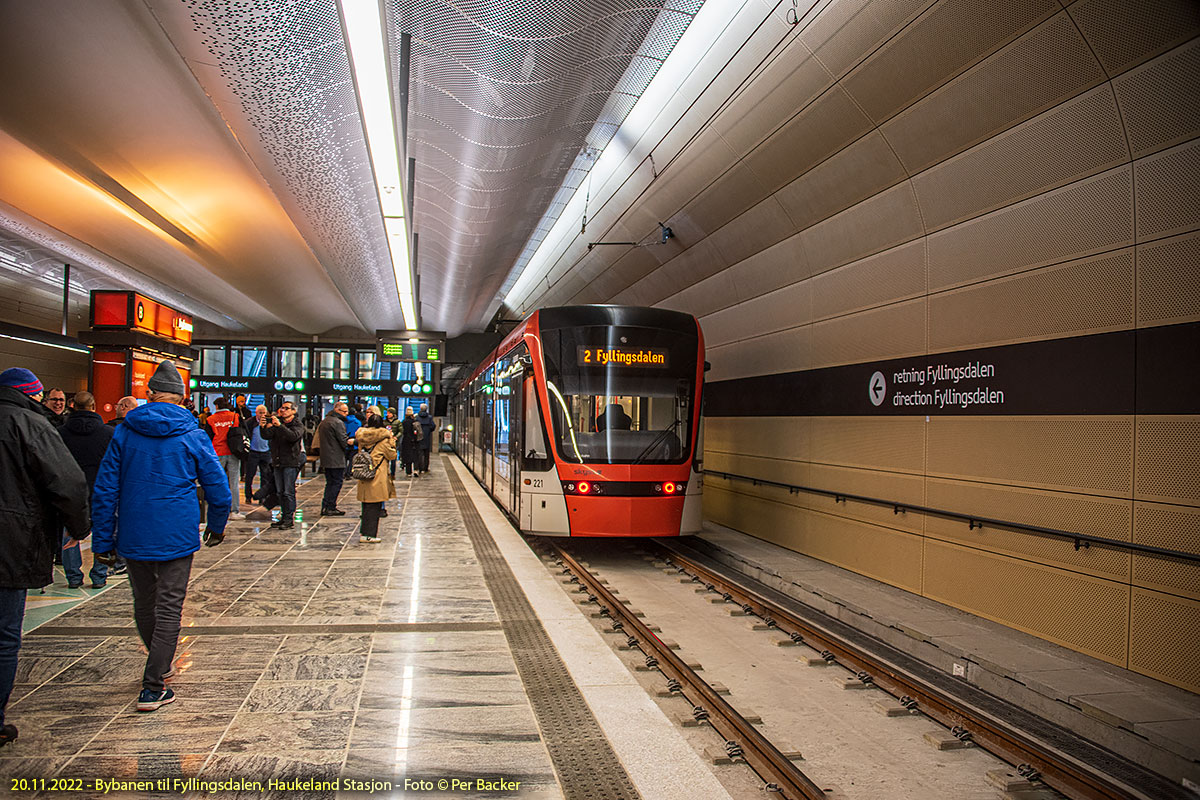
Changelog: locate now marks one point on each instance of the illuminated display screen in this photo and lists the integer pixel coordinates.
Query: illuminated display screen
(623, 357)
(411, 351)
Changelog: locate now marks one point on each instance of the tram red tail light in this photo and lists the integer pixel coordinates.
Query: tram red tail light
(594, 488)
(583, 487)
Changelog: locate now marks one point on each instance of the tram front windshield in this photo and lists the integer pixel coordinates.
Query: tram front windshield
(620, 395)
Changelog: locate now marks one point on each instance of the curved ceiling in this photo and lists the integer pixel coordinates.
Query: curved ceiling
(214, 148)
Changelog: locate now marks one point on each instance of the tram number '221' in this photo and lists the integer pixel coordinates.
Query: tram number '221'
(536, 483)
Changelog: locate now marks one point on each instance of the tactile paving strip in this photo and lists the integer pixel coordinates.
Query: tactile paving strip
(586, 764)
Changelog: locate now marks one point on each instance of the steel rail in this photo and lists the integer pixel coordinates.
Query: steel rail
(762, 756)
(1063, 774)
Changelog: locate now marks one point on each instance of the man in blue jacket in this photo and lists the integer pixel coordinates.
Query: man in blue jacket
(146, 488)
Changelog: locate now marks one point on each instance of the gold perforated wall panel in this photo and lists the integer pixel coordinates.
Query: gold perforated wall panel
(1163, 181)
(887, 443)
(1078, 611)
(1164, 638)
(1087, 217)
(1168, 290)
(887, 332)
(1172, 527)
(960, 174)
(891, 276)
(1153, 124)
(888, 555)
(1093, 295)
(1024, 161)
(1015, 84)
(1168, 459)
(1123, 34)
(1099, 516)
(1083, 454)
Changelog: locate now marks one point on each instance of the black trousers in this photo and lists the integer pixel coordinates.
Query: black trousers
(260, 463)
(370, 519)
(334, 478)
(159, 589)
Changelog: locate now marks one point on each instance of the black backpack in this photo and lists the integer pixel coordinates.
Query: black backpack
(235, 440)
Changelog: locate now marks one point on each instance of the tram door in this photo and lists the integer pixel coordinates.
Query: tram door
(516, 439)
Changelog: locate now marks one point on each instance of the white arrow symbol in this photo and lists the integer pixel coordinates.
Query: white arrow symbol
(877, 388)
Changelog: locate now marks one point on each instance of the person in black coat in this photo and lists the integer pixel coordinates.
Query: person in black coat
(87, 437)
(41, 489)
(410, 443)
(124, 406)
(286, 436)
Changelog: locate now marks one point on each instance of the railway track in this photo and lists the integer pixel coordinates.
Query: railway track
(1042, 753)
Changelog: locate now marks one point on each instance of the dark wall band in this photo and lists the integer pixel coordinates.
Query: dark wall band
(1146, 371)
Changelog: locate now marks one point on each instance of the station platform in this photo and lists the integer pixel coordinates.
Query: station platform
(1147, 721)
(444, 661)
(448, 652)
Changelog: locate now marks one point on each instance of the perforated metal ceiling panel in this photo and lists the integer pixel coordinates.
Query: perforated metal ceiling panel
(505, 101)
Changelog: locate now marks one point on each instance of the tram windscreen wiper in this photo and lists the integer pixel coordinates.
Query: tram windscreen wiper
(662, 436)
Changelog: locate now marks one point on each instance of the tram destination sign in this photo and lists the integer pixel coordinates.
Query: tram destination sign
(623, 357)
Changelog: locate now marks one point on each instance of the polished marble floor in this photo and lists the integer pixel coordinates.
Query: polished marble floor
(306, 656)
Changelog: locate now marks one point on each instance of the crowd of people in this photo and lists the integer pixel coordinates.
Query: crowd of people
(159, 481)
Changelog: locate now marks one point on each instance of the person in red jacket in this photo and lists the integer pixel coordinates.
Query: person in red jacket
(218, 426)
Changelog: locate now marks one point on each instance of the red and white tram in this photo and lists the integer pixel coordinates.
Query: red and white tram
(585, 421)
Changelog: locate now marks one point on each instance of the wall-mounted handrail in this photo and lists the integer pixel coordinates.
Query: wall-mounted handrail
(973, 520)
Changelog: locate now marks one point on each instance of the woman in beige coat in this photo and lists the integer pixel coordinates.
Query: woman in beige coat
(377, 440)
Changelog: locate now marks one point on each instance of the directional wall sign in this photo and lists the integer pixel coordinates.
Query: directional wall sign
(1144, 371)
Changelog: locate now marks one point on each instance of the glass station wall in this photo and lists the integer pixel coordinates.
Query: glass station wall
(305, 362)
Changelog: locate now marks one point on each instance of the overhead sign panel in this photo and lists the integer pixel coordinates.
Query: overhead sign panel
(411, 346)
(432, 352)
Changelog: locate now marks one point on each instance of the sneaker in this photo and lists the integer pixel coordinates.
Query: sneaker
(99, 585)
(334, 512)
(237, 515)
(8, 733)
(150, 700)
(171, 672)
(118, 570)
(370, 539)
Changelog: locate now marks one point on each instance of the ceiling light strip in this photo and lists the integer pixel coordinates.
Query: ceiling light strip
(362, 20)
(705, 30)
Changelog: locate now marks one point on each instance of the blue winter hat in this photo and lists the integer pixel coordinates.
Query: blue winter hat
(22, 380)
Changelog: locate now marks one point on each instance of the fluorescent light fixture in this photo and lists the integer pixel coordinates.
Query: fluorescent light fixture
(689, 52)
(76, 349)
(362, 21)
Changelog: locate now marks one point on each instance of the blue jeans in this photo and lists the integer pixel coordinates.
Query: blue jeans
(233, 473)
(12, 614)
(72, 560)
(285, 487)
